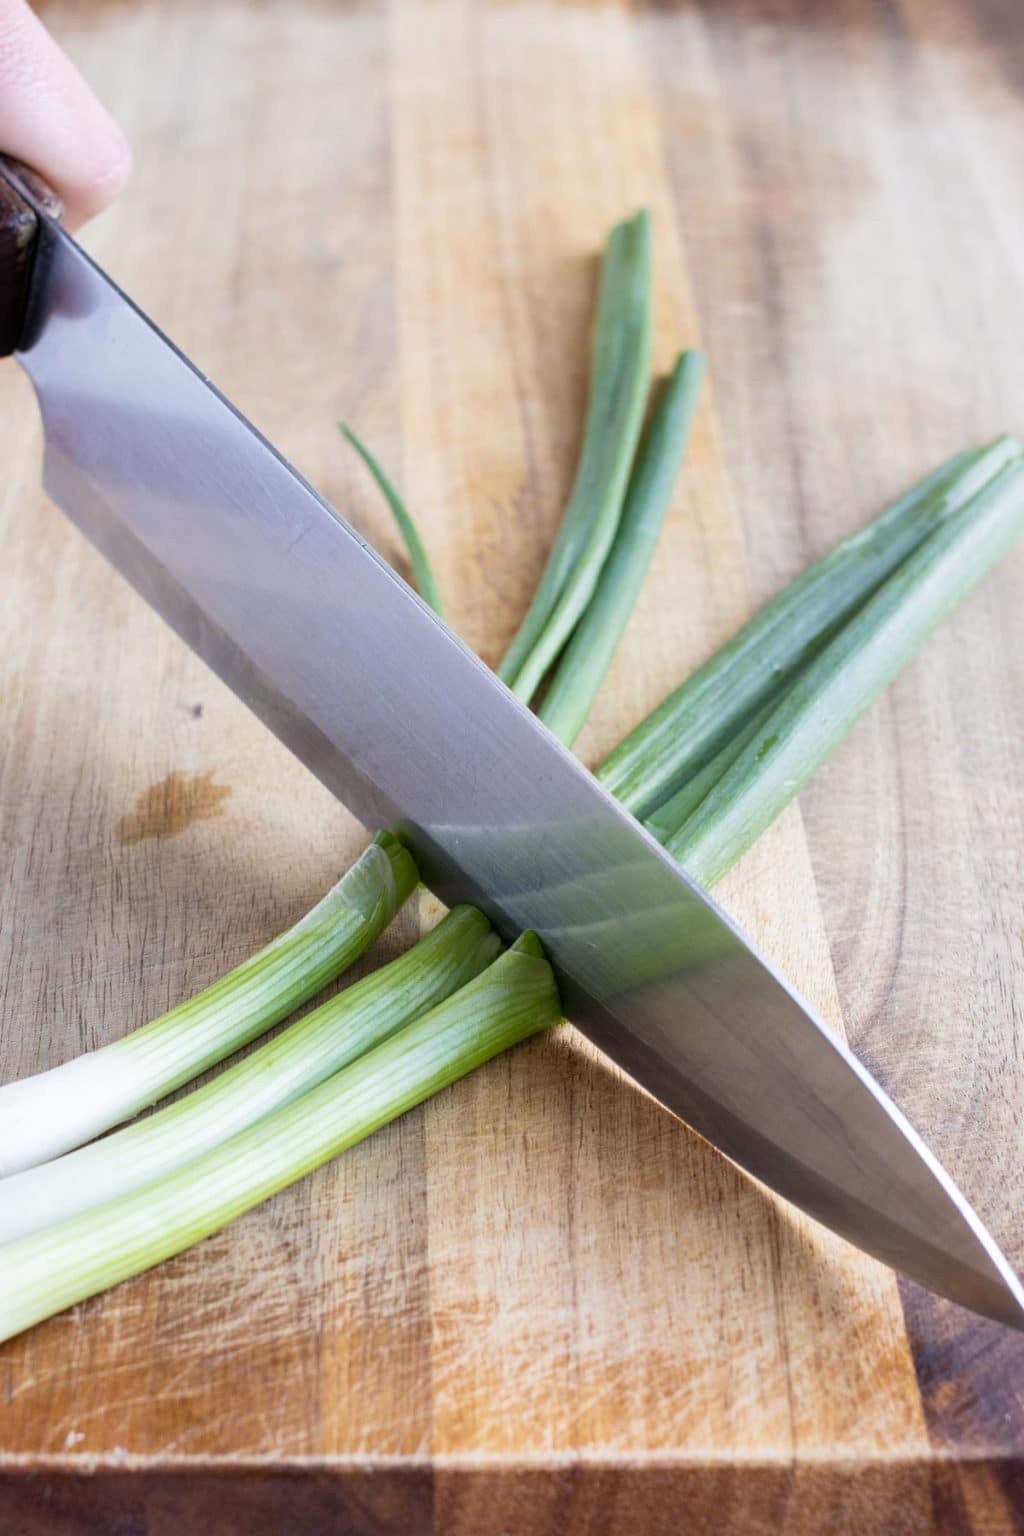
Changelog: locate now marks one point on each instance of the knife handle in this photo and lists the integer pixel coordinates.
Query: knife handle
(19, 229)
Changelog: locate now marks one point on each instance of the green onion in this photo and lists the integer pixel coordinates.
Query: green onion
(668, 818)
(422, 570)
(47, 1271)
(839, 684)
(679, 737)
(330, 1037)
(587, 657)
(45, 1115)
(618, 390)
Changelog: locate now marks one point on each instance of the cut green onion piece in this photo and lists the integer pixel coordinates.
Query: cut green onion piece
(45, 1115)
(836, 688)
(587, 657)
(686, 730)
(618, 390)
(422, 570)
(41, 1274)
(340, 1030)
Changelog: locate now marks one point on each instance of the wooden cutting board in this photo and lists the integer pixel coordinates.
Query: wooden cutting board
(538, 1305)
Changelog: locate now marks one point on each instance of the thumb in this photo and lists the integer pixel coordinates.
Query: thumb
(50, 120)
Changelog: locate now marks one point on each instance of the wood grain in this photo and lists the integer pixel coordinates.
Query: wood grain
(537, 1305)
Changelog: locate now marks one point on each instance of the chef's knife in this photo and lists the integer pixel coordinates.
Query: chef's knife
(345, 664)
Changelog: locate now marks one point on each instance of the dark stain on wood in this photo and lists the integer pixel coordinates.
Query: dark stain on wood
(229, 1500)
(971, 1377)
(984, 1495)
(172, 805)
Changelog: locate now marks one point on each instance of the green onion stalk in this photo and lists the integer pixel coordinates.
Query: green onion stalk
(670, 816)
(826, 700)
(47, 1114)
(615, 409)
(319, 1044)
(582, 666)
(691, 725)
(422, 570)
(513, 998)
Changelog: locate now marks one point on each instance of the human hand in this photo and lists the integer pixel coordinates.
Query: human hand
(52, 122)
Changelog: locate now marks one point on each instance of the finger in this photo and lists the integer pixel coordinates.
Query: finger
(50, 120)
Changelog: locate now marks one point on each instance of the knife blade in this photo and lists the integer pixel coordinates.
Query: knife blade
(300, 617)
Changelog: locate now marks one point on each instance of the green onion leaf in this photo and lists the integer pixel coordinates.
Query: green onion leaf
(49, 1270)
(847, 675)
(665, 822)
(686, 730)
(586, 659)
(618, 390)
(422, 570)
(45, 1115)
